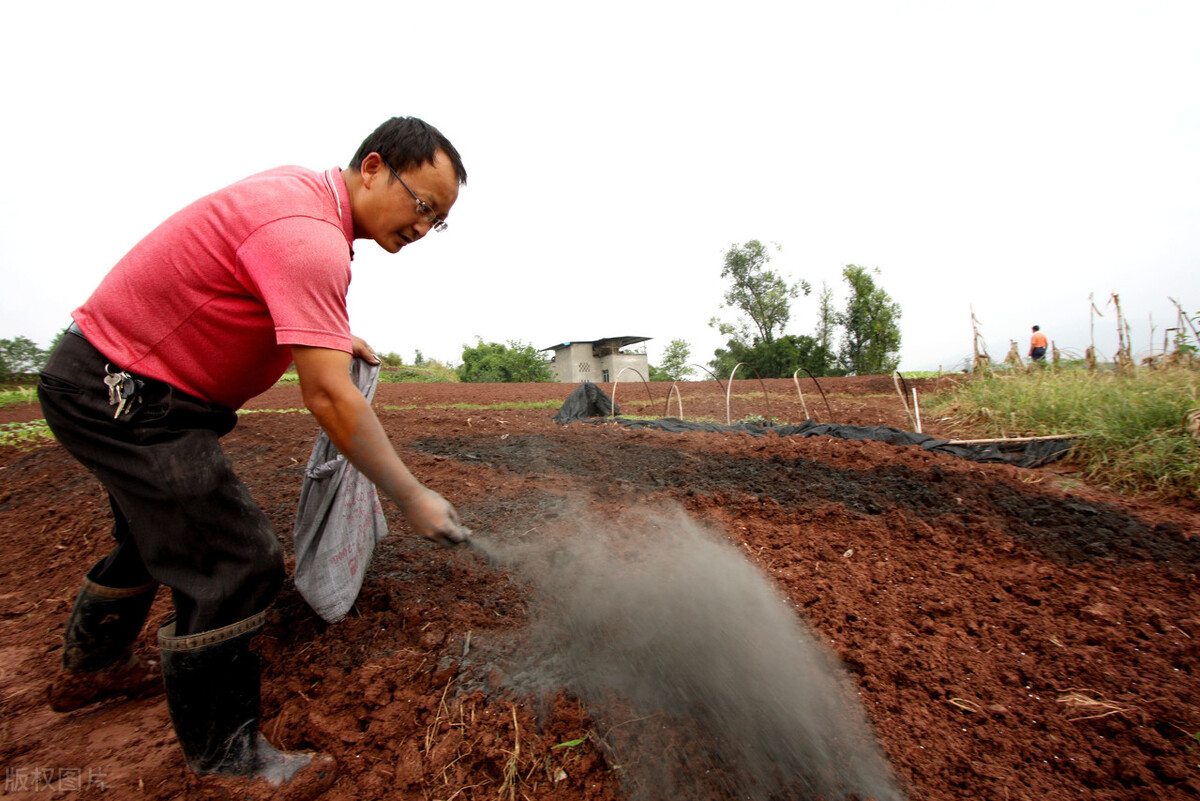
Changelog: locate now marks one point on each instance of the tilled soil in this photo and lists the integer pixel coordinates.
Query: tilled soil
(1013, 633)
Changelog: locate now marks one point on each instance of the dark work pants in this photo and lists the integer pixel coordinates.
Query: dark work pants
(182, 517)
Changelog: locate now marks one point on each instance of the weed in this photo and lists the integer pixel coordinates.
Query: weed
(546, 404)
(572, 743)
(1129, 423)
(911, 374)
(512, 771)
(22, 394)
(431, 372)
(25, 436)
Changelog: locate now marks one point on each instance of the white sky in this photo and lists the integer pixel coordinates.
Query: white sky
(1011, 157)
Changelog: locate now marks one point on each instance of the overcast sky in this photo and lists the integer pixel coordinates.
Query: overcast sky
(1011, 158)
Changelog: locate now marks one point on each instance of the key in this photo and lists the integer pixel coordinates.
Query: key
(120, 407)
(129, 394)
(113, 381)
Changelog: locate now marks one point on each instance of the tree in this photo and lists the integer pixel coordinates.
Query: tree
(871, 339)
(492, 362)
(778, 359)
(758, 293)
(20, 357)
(826, 318)
(674, 365)
(822, 359)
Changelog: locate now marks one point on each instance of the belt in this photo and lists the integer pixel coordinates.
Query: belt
(73, 328)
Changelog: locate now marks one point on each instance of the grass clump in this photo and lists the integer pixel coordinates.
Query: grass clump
(506, 405)
(430, 372)
(25, 435)
(18, 395)
(396, 372)
(1129, 423)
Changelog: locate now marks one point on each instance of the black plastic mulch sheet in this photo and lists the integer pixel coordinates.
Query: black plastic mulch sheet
(588, 402)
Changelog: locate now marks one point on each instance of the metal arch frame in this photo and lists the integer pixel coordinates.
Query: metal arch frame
(617, 379)
(729, 390)
(803, 405)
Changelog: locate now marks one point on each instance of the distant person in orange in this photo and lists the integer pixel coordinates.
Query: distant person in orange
(1037, 345)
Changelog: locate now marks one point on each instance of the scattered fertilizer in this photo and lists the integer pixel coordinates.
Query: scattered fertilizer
(702, 681)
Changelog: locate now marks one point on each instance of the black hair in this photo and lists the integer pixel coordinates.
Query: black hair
(407, 142)
(1036, 328)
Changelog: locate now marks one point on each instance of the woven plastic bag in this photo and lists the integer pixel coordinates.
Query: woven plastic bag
(339, 521)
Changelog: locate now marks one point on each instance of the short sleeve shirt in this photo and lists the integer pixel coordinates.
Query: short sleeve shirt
(212, 299)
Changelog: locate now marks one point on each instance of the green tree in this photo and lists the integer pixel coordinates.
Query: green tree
(20, 357)
(826, 323)
(778, 359)
(761, 295)
(491, 362)
(674, 365)
(826, 317)
(871, 335)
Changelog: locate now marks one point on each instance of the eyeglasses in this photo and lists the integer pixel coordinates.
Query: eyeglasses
(423, 209)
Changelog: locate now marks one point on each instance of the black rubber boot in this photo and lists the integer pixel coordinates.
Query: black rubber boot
(213, 693)
(97, 659)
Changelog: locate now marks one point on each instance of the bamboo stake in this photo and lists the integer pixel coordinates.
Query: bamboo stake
(1011, 439)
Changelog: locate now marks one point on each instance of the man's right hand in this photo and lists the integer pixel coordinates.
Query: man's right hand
(432, 517)
(354, 429)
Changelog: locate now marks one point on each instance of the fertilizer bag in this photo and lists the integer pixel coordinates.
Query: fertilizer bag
(338, 522)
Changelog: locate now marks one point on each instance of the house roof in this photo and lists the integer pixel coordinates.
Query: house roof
(617, 342)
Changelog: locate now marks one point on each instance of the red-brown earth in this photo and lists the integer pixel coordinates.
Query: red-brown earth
(1013, 633)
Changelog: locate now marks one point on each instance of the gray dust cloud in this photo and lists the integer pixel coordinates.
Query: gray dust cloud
(702, 681)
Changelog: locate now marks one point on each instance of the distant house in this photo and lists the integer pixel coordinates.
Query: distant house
(598, 360)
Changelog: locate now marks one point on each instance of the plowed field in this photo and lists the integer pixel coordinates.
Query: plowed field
(1011, 633)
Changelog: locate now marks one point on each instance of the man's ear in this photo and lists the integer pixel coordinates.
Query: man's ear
(371, 167)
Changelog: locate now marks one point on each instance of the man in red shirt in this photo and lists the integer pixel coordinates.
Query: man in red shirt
(1037, 345)
(204, 313)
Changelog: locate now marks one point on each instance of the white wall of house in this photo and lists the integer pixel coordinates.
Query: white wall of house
(576, 362)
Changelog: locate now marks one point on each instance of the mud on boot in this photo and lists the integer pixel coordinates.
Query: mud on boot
(213, 681)
(97, 658)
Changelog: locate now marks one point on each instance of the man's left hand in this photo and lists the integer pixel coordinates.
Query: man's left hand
(364, 351)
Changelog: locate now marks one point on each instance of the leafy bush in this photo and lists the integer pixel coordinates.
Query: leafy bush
(430, 372)
(777, 359)
(491, 362)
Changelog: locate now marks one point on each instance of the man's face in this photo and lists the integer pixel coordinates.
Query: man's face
(388, 213)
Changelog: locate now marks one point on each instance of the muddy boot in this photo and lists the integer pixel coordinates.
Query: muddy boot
(213, 683)
(97, 659)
